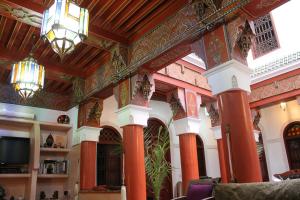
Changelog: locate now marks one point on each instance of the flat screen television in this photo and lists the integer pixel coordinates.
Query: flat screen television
(14, 150)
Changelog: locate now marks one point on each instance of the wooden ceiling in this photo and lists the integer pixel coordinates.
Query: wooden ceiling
(111, 21)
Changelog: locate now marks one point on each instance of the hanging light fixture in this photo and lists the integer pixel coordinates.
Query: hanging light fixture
(65, 25)
(27, 77)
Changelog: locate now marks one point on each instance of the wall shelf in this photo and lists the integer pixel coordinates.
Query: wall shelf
(54, 150)
(55, 126)
(53, 176)
(15, 175)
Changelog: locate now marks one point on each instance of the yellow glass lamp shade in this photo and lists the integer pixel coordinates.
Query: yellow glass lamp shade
(27, 77)
(65, 25)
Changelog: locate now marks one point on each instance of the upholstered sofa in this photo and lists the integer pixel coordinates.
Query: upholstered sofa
(284, 190)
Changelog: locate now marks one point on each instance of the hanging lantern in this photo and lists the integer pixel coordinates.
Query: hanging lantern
(27, 77)
(65, 25)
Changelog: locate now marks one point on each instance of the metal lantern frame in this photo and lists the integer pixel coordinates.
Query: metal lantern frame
(27, 77)
(65, 25)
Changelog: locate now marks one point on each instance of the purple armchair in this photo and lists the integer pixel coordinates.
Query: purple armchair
(199, 190)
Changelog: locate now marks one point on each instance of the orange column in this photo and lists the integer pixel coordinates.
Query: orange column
(236, 119)
(88, 164)
(189, 159)
(225, 171)
(135, 175)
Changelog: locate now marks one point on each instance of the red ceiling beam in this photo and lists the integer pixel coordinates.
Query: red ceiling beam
(182, 84)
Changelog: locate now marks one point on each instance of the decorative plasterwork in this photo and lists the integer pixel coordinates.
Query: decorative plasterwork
(95, 112)
(231, 75)
(24, 15)
(133, 115)
(281, 65)
(281, 87)
(187, 125)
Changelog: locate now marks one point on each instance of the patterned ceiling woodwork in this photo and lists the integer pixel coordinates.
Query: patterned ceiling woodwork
(205, 7)
(123, 37)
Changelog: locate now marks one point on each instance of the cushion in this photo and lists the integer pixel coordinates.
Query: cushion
(199, 191)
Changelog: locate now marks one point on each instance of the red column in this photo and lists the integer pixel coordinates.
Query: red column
(88, 164)
(235, 114)
(225, 171)
(135, 175)
(189, 159)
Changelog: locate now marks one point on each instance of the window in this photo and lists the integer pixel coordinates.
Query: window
(265, 36)
(292, 144)
(109, 158)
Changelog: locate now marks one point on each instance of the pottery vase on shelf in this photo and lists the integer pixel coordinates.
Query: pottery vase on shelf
(49, 141)
(63, 119)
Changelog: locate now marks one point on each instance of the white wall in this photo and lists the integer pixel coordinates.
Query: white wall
(272, 123)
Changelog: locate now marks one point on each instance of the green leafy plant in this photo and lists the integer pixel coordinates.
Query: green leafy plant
(157, 167)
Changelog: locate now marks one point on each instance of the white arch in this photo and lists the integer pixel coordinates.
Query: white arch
(111, 124)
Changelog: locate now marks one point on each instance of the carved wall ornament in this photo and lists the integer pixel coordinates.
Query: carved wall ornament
(256, 120)
(214, 116)
(95, 112)
(204, 7)
(78, 89)
(234, 82)
(244, 41)
(143, 85)
(175, 104)
(23, 15)
(119, 61)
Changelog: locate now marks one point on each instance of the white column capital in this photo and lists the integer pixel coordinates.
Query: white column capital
(87, 133)
(133, 115)
(217, 131)
(187, 125)
(232, 75)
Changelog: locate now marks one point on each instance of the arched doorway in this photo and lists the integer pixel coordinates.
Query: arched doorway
(291, 137)
(201, 156)
(166, 192)
(109, 158)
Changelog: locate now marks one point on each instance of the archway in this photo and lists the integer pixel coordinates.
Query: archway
(201, 156)
(166, 192)
(109, 158)
(291, 136)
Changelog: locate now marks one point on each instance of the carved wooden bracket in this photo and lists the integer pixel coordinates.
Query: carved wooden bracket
(213, 114)
(90, 112)
(244, 41)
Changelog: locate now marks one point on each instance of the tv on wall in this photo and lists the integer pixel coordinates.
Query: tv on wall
(14, 150)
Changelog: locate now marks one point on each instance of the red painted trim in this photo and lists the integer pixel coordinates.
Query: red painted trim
(182, 84)
(275, 99)
(276, 78)
(191, 66)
